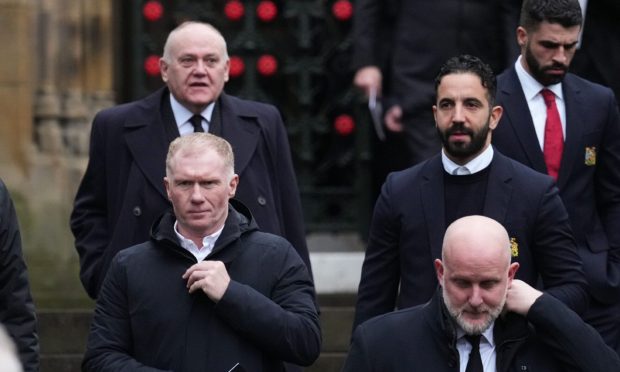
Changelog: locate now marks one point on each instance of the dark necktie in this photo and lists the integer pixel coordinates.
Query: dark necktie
(554, 140)
(196, 121)
(474, 364)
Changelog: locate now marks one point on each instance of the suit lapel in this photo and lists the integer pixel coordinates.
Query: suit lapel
(499, 188)
(572, 153)
(433, 202)
(518, 117)
(241, 129)
(147, 140)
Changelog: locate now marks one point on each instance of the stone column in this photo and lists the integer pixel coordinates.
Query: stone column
(74, 48)
(16, 72)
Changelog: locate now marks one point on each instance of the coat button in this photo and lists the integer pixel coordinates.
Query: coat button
(137, 211)
(261, 200)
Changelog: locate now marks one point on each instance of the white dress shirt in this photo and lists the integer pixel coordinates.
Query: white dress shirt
(487, 350)
(475, 165)
(182, 116)
(536, 103)
(207, 243)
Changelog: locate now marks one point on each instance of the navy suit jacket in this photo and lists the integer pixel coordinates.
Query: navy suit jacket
(589, 177)
(408, 226)
(122, 191)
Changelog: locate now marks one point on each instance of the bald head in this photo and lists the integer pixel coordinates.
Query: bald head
(193, 30)
(475, 271)
(476, 236)
(195, 65)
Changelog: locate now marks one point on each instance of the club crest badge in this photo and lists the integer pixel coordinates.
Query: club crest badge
(590, 156)
(514, 247)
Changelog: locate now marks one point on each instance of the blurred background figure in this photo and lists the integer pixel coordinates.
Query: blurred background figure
(599, 48)
(17, 311)
(398, 48)
(9, 359)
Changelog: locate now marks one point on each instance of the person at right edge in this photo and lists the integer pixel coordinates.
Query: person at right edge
(481, 319)
(17, 312)
(557, 123)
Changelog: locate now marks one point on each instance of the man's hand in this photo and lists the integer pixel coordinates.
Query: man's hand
(368, 78)
(393, 119)
(520, 297)
(209, 276)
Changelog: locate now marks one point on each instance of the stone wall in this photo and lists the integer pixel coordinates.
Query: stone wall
(56, 73)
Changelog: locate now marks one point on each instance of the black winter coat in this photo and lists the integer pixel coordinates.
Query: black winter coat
(145, 319)
(552, 338)
(17, 312)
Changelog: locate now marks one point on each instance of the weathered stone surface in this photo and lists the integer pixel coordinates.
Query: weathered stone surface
(16, 78)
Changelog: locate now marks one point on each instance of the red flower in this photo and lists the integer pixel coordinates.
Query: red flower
(267, 65)
(266, 11)
(344, 124)
(234, 10)
(151, 65)
(237, 66)
(152, 10)
(342, 10)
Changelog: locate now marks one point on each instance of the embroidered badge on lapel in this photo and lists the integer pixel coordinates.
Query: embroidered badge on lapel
(514, 247)
(590, 158)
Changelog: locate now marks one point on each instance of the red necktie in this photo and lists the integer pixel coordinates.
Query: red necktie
(554, 140)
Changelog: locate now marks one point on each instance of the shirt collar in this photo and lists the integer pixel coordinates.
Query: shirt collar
(182, 114)
(475, 165)
(531, 87)
(487, 334)
(207, 241)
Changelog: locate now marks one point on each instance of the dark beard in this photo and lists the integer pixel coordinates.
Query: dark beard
(539, 73)
(462, 150)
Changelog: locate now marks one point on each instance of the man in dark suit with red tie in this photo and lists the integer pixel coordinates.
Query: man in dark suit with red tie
(560, 124)
(122, 191)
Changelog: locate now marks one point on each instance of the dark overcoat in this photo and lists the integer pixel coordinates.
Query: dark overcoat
(122, 191)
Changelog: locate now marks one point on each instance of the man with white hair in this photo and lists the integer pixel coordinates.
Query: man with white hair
(481, 319)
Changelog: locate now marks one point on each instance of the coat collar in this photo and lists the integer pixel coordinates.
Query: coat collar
(242, 127)
(238, 222)
(509, 332)
(517, 115)
(147, 141)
